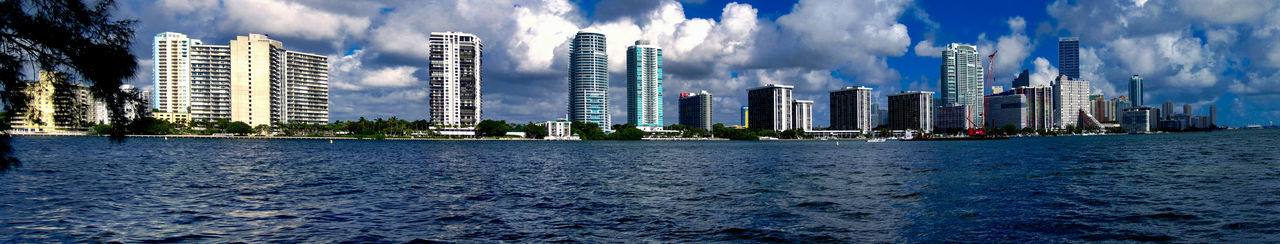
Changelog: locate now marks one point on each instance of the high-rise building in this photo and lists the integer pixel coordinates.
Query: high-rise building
(851, 109)
(644, 85)
(1186, 109)
(455, 64)
(911, 111)
(1007, 109)
(291, 87)
(1069, 57)
(171, 72)
(1213, 116)
(746, 110)
(1135, 91)
(1121, 103)
(1070, 97)
(1103, 109)
(589, 80)
(1024, 79)
(210, 82)
(962, 79)
(770, 107)
(802, 113)
(1039, 107)
(695, 110)
(1166, 110)
(883, 116)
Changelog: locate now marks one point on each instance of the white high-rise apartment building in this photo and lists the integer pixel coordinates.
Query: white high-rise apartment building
(455, 78)
(851, 109)
(644, 85)
(1069, 98)
(589, 79)
(802, 112)
(171, 72)
(962, 79)
(222, 82)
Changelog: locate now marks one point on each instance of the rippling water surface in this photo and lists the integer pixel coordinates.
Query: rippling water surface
(1194, 187)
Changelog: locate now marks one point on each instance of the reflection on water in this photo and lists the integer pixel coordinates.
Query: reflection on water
(1196, 187)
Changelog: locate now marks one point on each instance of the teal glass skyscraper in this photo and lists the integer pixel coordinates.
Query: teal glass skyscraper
(589, 79)
(644, 85)
(1135, 91)
(962, 80)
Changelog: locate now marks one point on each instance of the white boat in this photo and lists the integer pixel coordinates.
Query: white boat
(876, 140)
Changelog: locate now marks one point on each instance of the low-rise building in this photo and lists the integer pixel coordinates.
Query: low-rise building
(1138, 120)
(559, 129)
(953, 118)
(1007, 109)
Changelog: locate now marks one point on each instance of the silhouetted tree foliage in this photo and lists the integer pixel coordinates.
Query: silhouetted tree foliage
(532, 130)
(239, 128)
(627, 132)
(587, 131)
(492, 128)
(64, 36)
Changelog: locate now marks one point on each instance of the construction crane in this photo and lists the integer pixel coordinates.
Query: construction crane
(974, 130)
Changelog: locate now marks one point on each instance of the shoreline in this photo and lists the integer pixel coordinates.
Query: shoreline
(470, 139)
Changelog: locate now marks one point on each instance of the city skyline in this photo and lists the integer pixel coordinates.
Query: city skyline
(376, 71)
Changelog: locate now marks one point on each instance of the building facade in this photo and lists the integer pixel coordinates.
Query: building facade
(1102, 109)
(696, 110)
(559, 129)
(171, 72)
(1039, 107)
(644, 85)
(455, 64)
(746, 111)
(1069, 57)
(911, 111)
(1166, 110)
(1023, 79)
(589, 80)
(770, 107)
(1120, 104)
(1135, 91)
(851, 109)
(802, 113)
(1070, 97)
(1008, 108)
(952, 118)
(54, 105)
(962, 79)
(1138, 120)
(290, 87)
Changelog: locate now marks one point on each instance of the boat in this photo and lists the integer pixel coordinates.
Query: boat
(876, 140)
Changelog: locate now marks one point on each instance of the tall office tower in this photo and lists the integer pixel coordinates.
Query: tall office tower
(455, 78)
(1166, 110)
(210, 82)
(746, 110)
(589, 80)
(962, 80)
(1024, 79)
(911, 111)
(1039, 106)
(802, 113)
(1069, 57)
(286, 87)
(695, 109)
(851, 109)
(1070, 97)
(1186, 109)
(644, 85)
(1213, 116)
(1135, 91)
(770, 107)
(1007, 109)
(171, 72)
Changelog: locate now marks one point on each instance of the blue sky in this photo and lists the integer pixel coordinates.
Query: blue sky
(1190, 52)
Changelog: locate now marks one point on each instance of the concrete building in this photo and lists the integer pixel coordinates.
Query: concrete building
(1069, 57)
(1201, 122)
(696, 110)
(292, 87)
(952, 118)
(1186, 109)
(1009, 108)
(962, 79)
(802, 113)
(1120, 103)
(54, 105)
(1023, 79)
(1070, 97)
(746, 111)
(644, 86)
(770, 107)
(851, 109)
(455, 63)
(1166, 110)
(1135, 91)
(911, 111)
(883, 116)
(1039, 107)
(171, 72)
(1102, 109)
(559, 129)
(1213, 116)
(589, 80)
(1138, 120)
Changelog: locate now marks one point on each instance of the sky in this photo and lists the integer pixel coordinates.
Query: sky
(1221, 53)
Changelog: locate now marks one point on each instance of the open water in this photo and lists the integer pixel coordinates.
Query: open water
(1192, 187)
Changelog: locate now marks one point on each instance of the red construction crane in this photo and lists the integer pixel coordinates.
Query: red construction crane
(974, 130)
